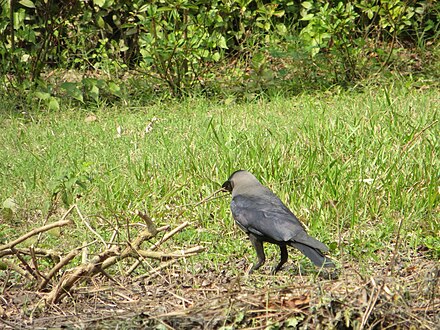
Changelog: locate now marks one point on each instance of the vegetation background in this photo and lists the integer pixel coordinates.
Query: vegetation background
(106, 50)
(114, 106)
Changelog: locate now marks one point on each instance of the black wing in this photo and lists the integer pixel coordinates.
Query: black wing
(268, 217)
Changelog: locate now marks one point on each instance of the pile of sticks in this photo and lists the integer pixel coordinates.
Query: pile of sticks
(55, 286)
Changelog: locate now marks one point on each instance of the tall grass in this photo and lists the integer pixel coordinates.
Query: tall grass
(351, 166)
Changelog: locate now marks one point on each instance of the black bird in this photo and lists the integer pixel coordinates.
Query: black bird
(264, 218)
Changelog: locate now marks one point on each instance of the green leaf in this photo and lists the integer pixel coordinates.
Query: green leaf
(73, 90)
(53, 104)
(279, 13)
(143, 8)
(94, 93)
(333, 246)
(307, 5)
(420, 10)
(100, 22)
(281, 28)
(307, 17)
(164, 9)
(114, 88)
(293, 322)
(10, 204)
(216, 56)
(222, 43)
(27, 3)
(42, 95)
(99, 3)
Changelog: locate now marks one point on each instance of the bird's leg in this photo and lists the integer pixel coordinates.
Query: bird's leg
(258, 246)
(284, 255)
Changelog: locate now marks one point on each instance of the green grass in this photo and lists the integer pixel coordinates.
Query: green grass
(351, 166)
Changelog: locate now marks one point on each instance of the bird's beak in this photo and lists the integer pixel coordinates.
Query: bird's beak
(227, 186)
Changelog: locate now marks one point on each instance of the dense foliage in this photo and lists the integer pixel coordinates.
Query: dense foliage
(189, 45)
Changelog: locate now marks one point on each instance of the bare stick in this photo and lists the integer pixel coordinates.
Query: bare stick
(18, 269)
(164, 256)
(156, 270)
(148, 222)
(167, 236)
(84, 254)
(35, 263)
(88, 226)
(114, 234)
(36, 231)
(39, 252)
(163, 228)
(146, 234)
(63, 262)
(25, 264)
(157, 244)
(81, 272)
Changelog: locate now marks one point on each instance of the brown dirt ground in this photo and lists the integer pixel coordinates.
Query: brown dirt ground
(407, 298)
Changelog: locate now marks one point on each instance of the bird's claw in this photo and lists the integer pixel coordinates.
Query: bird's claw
(274, 271)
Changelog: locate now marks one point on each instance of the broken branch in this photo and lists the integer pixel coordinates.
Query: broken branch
(81, 272)
(36, 231)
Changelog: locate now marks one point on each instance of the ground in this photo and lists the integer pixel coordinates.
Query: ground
(359, 169)
(403, 296)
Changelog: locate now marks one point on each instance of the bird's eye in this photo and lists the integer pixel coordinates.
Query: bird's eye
(228, 186)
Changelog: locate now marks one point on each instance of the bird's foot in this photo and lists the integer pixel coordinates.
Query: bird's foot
(274, 270)
(329, 274)
(254, 267)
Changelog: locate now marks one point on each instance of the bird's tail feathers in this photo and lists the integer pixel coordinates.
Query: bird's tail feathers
(315, 255)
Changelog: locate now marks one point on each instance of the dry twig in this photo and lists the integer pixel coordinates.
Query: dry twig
(36, 231)
(80, 273)
(63, 262)
(88, 225)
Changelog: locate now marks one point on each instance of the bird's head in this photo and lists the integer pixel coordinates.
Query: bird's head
(239, 179)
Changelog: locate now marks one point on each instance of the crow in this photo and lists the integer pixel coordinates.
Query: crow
(264, 218)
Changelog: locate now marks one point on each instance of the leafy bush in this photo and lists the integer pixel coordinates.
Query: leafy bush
(185, 44)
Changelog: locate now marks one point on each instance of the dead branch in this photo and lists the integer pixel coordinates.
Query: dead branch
(39, 252)
(144, 235)
(17, 269)
(88, 225)
(156, 270)
(97, 264)
(80, 273)
(25, 264)
(63, 262)
(36, 231)
(148, 222)
(157, 244)
(165, 256)
(167, 236)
